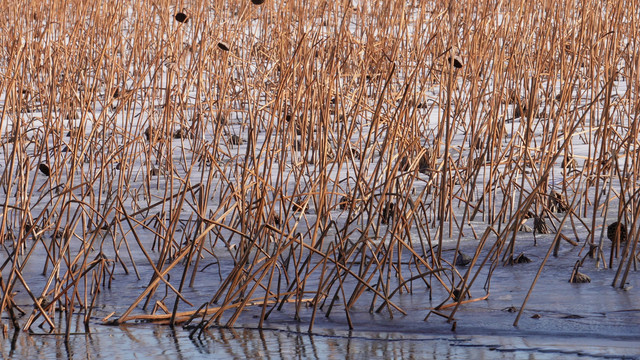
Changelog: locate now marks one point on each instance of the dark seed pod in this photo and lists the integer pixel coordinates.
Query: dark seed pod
(147, 133)
(521, 259)
(404, 164)
(223, 46)
(462, 259)
(28, 226)
(577, 277)
(72, 115)
(354, 152)
(181, 17)
(540, 226)
(44, 168)
(182, 134)
(299, 207)
(520, 111)
(345, 202)
(613, 232)
(580, 278)
(221, 119)
(236, 140)
(427, 161)
(557, 203)
(388, 213)
(457, 63)
(458, 295)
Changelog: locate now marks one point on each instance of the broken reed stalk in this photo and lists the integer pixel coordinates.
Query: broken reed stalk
(237, 133)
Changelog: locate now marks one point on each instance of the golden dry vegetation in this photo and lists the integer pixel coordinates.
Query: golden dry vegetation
(327, 149)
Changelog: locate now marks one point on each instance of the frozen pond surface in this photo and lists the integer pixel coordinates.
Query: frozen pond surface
(561, 320)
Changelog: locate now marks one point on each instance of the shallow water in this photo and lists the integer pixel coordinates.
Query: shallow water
(592, 320)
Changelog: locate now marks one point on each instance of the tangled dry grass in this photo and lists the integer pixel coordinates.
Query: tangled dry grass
(328, 148)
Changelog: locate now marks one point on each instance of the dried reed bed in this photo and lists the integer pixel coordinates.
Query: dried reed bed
(330, 150)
